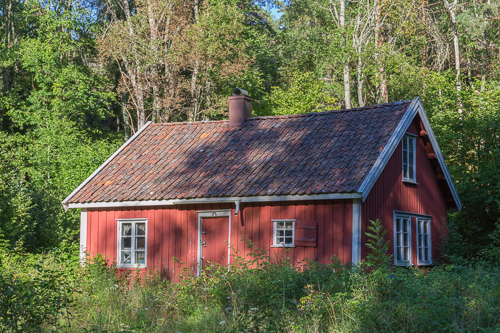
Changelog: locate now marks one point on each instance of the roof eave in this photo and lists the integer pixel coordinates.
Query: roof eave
(270, 198)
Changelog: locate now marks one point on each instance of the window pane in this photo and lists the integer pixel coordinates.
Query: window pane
(405, 143)
(398, 240)
(140, 229)
(420, 254)
(127, 229)
(399, 254)
(281, 240)
(280, 224)
(280, 233)
(426, 254)
(288, 233)
(410, 143)
(140, 243)
(405, 225)
(288, 240)
(426, 240)
(407, 253)
(410, 172)
(419, 240)
(140, 257)
(426, 227)
(398, 225)
(420, 228)
(126, 242)
(289, 225)
(126, 258)
(406, 240)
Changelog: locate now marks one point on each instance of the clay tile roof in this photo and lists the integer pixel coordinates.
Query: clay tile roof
(315, 153)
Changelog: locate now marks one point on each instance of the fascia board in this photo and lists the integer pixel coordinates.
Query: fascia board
(439, 154)
(389, 149)
(330, 196)
(132, 138)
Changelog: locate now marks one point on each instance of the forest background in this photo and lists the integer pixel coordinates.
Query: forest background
(80, 77)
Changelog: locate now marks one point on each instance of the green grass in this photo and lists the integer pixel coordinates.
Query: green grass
(260, 294)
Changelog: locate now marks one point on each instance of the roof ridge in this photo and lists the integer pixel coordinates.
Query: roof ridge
(299, 115)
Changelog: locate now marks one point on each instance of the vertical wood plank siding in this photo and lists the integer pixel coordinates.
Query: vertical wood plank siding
(173, 231)
(390, 194)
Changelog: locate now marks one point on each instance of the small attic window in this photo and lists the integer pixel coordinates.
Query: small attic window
(409, 158)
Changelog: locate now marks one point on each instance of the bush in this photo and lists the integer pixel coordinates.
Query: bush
(259, 294)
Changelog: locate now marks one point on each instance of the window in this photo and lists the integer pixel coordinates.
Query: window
(132, 243)
(409, 160)
(283, 233)
(402, 240)
(424, 241)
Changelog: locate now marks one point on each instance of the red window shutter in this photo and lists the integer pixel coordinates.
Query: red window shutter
(305, 233)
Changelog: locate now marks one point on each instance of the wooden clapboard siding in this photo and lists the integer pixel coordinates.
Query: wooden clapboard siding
(173, 231)
(390, 194)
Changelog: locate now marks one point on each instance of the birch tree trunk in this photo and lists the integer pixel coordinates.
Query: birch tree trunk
(451, 7)
(379, 40)
(7, 72)
(154, 68)
(194, 95)
(134, 73)
(347, 83)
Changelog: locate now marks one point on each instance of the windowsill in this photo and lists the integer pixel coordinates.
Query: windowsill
(132, 266)
(409, 181)
(282, 245)
(420, 265)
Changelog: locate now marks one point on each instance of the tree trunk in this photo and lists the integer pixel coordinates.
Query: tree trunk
(451, 7)
(424, 49)
(154, 79)
(361, 100)
(194, 95)
(126, 117)
(347, 83)
(380, 41)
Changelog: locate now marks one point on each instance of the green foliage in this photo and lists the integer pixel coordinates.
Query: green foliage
(259, 294)
(305, 93)
(378, 256)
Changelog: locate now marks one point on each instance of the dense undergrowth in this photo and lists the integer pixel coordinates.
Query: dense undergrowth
(260, 294)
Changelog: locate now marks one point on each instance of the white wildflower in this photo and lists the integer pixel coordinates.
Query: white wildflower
(222, 322)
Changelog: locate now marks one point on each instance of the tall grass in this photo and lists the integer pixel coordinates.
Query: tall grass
(259, 294)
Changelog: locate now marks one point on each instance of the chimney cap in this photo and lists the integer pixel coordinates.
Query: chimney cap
(239, 91)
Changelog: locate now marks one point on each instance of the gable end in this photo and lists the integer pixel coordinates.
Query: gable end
(415, 108)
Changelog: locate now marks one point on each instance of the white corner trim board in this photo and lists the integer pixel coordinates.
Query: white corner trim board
(83, 235)
(414, 108)
(132, 138)
(356, 231)
(330, 196)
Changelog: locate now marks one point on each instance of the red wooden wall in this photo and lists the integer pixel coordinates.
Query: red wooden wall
(173, 230)
(390, 194)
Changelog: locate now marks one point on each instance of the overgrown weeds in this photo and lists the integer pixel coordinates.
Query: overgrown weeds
(259, 294)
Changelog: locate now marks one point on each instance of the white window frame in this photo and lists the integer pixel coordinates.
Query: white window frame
(120, 222)
(409, 138)
(420, 261)
(402, 262)
(275, 224)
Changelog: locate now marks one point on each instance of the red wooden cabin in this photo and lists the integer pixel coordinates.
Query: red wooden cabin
(305, 183)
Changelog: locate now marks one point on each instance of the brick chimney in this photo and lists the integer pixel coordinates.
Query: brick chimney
(240, 107)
